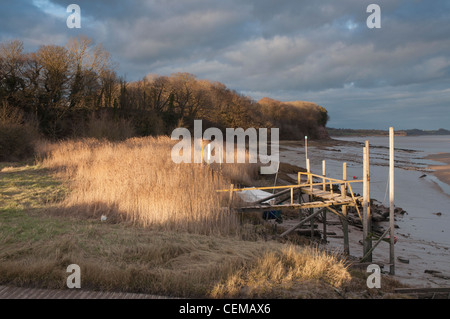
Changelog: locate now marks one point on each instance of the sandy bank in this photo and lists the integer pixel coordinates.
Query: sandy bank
(442, 172)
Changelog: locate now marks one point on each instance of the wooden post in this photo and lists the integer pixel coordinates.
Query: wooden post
(276, 177)
(292, 195)
(369, 209)
(306, 150)
(366, 238)
(324, 174)
(364, 221)
(324, 214)
(308, 168)
(344, 211)
(231, 196)
(300, 200)
(374, 246)
(311, 212)
(391, 201)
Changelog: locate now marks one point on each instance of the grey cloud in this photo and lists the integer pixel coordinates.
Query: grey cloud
(293, 49)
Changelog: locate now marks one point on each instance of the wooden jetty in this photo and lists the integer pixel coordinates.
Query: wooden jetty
(327, 195)
(322, 196)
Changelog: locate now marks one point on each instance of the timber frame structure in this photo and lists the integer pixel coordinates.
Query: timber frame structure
(324, 199)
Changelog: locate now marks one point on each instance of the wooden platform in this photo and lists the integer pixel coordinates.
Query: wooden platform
(322, 199)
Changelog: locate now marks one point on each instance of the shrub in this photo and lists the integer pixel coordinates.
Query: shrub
(17, 138)
(105, 127)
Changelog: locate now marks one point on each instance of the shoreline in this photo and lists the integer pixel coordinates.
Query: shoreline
(442, 172)
(424, 256)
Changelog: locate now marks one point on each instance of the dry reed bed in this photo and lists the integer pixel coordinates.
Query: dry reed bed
(137, 181)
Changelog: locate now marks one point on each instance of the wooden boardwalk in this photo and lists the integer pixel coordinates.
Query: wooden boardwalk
(33, 293)
(323, 199)
(326, 195)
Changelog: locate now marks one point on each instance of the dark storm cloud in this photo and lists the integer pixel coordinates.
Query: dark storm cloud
(24, 20)
(290, 50)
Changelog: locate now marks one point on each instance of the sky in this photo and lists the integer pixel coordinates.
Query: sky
(320, 51)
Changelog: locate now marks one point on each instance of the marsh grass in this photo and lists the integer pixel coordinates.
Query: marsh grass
(44, 229)
(279, 272)
(36, 247)
(136, 181)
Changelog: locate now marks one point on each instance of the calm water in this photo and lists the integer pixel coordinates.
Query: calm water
(421, 196)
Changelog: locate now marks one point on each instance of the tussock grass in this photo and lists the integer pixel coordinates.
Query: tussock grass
(283, 272)
(120, 257)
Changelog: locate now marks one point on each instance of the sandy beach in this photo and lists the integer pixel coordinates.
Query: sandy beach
(442, 172)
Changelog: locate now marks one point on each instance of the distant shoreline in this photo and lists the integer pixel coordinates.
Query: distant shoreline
(338, 132)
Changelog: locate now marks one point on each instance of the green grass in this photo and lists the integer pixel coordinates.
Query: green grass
(27, 187)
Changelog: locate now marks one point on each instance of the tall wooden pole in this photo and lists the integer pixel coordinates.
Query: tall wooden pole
(369, 211)
(365, 197)
(344, 211)
(391, 201)
(308, 169)
(306, 149)
(276, 177)
(311, 210)
(324, 174)
(324, 213)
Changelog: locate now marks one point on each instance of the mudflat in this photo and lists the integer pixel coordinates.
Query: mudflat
(442, 172)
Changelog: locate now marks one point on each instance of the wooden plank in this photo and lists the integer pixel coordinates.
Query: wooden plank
(421, 290)
(335, 212)
(334, 180)
(307, 205)
(271, 197)
(283, 186)
(290, 230)
(374, 246)
(364, 265)
(281, 199)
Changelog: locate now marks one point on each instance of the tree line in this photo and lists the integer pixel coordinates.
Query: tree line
(75, 91)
